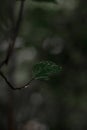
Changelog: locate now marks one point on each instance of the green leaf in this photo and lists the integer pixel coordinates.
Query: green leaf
(44, 69)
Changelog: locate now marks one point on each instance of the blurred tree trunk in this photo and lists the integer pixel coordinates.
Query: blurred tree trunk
(11, 123)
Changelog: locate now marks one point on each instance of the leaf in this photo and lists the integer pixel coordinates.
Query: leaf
(44, 69)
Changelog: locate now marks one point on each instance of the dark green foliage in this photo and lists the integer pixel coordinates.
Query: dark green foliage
(44, 69)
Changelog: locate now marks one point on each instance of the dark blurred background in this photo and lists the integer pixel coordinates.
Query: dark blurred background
(54, 30)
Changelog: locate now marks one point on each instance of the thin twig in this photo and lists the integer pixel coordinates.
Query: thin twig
(11, 86)
(14, 36)
(4, 77)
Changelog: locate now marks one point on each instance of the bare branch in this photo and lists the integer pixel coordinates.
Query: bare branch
(14, 35)
(11, 47)
(4, 77)
(11, 86)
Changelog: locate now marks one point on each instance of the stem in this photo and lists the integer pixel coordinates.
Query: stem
(11, 86)
(14, 35)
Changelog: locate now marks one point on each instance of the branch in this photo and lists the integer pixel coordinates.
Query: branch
(14, 35)
(11, 86)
